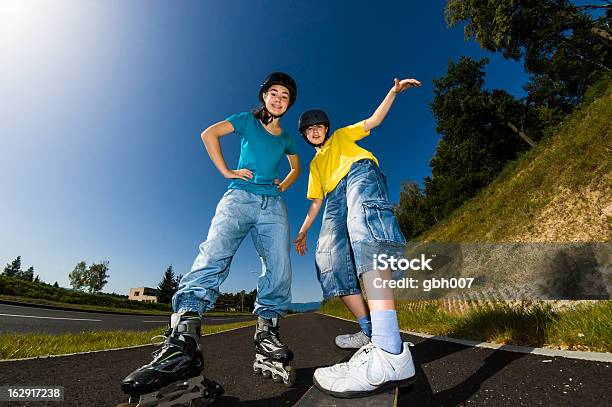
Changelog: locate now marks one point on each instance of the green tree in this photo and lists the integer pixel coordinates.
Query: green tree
(481, 131)
(77, 276)
(96, 276)
(167, 287)
(27, 275)
(56, 285)
(413, 212)
(176, 282)
(13, 269)
(564, 48)
(249, 301)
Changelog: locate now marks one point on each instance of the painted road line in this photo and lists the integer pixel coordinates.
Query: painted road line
(37, 317)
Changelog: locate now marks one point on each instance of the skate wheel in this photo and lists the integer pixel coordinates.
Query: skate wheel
(276, 378)
(266, 373)
(291, 380)
(257, 370)
(197, 403)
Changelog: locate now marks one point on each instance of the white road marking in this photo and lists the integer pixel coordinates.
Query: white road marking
(33, 316)
(211, 318)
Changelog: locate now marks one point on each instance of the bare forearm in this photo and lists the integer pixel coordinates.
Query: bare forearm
(381, 111)
(291, 177)
(312, 214)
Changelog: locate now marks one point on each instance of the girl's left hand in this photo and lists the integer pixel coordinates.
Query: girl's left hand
(280, 185)
(404, 84)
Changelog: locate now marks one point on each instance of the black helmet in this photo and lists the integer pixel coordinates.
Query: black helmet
(279, 78)
(310, 117)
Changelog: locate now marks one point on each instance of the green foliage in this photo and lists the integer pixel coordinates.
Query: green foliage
(77, 276)
(585, 326)
(481, 132)
(12, 286)
(575, 156)
(97, 276)
(93, 278)
(28, 275)
(412, 212)
(13, 269)
(242, 301)
(168, 286)
(564, 49)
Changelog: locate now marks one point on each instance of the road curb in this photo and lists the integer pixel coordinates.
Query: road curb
(570, 354)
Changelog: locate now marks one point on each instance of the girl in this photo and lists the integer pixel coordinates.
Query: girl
(252, 204)
(358, 222)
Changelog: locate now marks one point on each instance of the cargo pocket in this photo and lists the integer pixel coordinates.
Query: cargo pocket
(323, 263)
(381, 222)
(323, 259)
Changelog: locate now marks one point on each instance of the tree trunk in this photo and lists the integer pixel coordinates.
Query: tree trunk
(521, 133)
(600, 32)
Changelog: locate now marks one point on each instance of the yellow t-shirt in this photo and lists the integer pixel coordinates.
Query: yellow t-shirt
(333, 161)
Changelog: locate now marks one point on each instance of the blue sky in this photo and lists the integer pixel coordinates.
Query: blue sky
(103, 103)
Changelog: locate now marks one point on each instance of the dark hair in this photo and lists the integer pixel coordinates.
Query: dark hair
(259, 112)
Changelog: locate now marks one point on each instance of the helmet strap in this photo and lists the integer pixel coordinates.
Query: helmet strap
(268, 117)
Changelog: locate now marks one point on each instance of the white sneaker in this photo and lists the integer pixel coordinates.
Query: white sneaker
(371, 370)
(352, 341)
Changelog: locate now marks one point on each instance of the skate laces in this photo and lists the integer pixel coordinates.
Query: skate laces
(275, 337)
(361, 356)
(158, 340)
(165, 344)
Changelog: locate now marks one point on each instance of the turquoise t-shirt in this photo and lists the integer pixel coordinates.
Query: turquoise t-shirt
(261, 152)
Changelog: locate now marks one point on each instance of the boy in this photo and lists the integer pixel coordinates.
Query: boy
(358, 221)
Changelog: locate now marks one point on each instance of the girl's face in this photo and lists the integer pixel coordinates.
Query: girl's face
(316, 133)
(277, 99)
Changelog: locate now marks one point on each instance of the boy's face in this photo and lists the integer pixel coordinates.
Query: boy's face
(316, 133)
(277, 99)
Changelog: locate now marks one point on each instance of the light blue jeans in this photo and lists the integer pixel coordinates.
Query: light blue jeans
(358, 222)
(238, 213)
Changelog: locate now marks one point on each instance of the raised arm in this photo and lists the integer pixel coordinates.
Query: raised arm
(313, 212)
(381, 112)
(210, 137)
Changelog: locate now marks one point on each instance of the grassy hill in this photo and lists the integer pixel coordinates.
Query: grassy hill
(560, 191)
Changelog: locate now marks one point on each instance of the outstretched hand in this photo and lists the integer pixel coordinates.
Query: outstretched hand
(404, 84)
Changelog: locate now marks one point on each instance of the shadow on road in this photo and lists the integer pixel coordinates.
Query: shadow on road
(433, 351)
(291, 395)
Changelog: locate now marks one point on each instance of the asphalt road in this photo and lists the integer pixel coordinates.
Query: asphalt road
(41, 320)
(448, 374)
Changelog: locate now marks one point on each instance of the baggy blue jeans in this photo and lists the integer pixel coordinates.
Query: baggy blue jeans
(238, 213)
(358, 221)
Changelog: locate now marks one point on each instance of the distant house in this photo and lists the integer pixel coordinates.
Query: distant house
(144, 294)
